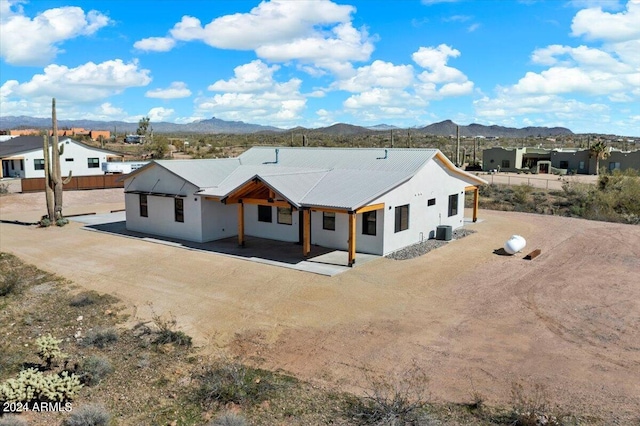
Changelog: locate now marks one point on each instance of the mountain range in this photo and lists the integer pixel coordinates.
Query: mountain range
(215, 125)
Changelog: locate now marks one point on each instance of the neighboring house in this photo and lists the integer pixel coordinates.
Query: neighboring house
(74, 131)
(576, 160)
(23, 157)
(367, 200)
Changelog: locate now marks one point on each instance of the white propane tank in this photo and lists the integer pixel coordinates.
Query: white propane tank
(514, 244)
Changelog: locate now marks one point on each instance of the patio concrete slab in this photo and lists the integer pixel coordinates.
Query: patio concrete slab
(322, 260)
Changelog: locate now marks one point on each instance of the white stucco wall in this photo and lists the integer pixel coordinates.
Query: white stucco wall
(432, 181)
(273, 230)
(218, 220)
(72, 151)
(161, 213)
(339, 238)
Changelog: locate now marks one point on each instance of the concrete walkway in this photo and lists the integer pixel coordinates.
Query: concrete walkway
(323, 261)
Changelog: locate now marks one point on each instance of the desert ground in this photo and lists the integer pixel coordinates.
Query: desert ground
(473, 320)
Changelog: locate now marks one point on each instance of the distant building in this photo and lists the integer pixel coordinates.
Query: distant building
(565, 160)
(134, 139)
(23, 157)
(74, 131)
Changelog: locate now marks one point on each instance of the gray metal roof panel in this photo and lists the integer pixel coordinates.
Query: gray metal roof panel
(351, 189)
(202, 173)
(396, 159)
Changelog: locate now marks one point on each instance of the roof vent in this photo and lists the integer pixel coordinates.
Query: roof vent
(386, 154)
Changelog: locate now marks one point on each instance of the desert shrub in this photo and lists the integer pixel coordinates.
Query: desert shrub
(49, 349)
(4, 188)
(100, 337)
(34, 385)
(531, 407)
(93, 369)
(228, 419)
(85, 298)
(521, 193)
(387, 401)
(12, 283)
(167, 332)
(89, 415)
(12, 421)
(233, 382)
(44, 222)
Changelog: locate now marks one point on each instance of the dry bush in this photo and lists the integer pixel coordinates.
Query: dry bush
(233, 382)
(89, 415)
(392, 401)
(100, 337)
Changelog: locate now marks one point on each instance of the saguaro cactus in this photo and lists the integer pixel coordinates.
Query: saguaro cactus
(52, 172)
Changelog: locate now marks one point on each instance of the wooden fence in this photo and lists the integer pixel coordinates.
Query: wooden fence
(76, 183)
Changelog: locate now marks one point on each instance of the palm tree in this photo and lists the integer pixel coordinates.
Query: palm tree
(600, 151)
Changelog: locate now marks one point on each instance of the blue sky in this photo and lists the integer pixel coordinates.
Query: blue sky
(571, 63)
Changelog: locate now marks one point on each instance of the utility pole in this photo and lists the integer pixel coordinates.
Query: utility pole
(457, 145)
(391, 138)
(409, 137)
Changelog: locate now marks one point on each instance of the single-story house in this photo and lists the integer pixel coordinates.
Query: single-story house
(575, 160)
(23, 157)
(361, 200)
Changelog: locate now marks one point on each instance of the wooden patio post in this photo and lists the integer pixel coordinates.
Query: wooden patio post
(476, 198)
(352, 238)
(241, 224)
(306, 232)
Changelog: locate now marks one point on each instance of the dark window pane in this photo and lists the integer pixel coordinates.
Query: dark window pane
(143, 206)
(179, 209)
(453, 205)
(264, 214)
(329, 221)
(402, 218)
(369, 223)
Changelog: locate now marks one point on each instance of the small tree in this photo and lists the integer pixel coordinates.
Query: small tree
(599, 151)
(144, 127)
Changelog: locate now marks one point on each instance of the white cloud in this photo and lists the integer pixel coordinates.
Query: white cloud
(373, 104)
(604, 4)
(548, 105)
(155, 44)
(254, 95)
(86, 83)
(473, 27)
(453, 81)
(268, 23)
(318, 32)
(252, 77)
(176, 90)
(27, 41)
(595, 24)
(577, 80)
(159, 114)
(346, 45)
(378, 74)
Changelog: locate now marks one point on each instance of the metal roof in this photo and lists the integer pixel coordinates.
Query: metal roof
(351, 189)
(23, 144)
(396, 159)
(345, 178)
(201, 173)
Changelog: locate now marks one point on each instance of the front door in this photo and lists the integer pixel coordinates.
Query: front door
(544, 168)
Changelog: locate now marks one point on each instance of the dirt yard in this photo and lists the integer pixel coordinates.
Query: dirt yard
(474, 320)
